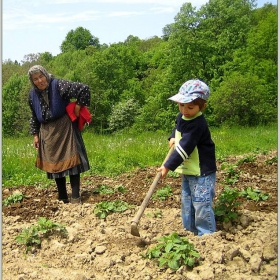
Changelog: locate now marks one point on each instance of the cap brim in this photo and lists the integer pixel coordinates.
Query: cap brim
(180, 98)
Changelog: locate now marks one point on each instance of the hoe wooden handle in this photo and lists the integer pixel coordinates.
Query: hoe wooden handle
(151, 190)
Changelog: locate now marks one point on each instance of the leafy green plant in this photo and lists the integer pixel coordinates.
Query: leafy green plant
(173, 251)
(163, 193)
(104, 208)
(226, 205)
(254, 194)
(232, 173)
(14, 198)
(103, 189)
(248, 158)
(29, 237)
(49, 227)
(32, 236)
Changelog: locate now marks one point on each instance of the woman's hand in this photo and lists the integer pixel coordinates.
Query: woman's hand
(163, 170)
(77, 110)
(36, 141)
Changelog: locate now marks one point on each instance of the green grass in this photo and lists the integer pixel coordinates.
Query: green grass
(111, 155)
(243, 140)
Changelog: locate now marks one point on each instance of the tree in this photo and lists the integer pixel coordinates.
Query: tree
(78, 39)
(259, 56)
(130, 40)
(202, 41)
(241, 99)
(15, 111)
(29, 58)
(45, 57)
(224, 28)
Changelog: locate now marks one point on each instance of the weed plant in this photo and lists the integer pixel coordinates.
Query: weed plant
(111, 155)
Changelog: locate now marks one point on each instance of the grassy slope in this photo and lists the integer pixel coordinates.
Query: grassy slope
(115, 154)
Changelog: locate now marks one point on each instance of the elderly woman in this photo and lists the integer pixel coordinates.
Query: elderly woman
(58, 140)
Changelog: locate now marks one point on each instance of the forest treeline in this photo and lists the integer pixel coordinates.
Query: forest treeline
(229, 44)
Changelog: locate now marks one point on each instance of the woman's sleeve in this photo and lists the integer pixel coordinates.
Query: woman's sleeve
(79, 91)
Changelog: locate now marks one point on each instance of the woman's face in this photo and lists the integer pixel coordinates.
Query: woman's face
(39, 80)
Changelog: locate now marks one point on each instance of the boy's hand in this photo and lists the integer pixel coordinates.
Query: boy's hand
(163, 170)
(171, 142)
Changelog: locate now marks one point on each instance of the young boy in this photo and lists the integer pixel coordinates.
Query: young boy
(194, 157)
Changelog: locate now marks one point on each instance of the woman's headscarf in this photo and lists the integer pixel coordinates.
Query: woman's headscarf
(36, 69)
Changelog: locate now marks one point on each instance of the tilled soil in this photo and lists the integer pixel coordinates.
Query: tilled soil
(105, 248)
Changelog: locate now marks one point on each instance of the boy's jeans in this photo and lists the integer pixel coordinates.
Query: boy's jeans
(197, 197)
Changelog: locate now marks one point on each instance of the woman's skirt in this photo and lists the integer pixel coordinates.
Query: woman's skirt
(61, 149)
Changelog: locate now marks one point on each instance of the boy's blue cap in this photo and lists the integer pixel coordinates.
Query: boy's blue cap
(190, 91)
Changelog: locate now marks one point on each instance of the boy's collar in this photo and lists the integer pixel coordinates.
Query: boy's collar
(188, 119)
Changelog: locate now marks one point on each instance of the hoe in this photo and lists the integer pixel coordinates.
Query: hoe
(135, 221)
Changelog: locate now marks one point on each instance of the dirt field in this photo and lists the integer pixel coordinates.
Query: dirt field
(105, 248)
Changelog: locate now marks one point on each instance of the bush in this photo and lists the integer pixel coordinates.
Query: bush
(123, 115)
(237, 101)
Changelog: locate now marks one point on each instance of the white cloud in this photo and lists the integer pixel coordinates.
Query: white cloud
(19, 16)
(121, 14)
(128, 2)
(162, 10)
(27, 19)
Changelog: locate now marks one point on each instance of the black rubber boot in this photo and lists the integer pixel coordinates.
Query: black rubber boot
(75, 185)
(61, 187)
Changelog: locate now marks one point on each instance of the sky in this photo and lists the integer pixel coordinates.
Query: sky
(38, 26)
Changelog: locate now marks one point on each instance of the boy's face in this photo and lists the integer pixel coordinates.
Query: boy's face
(189, 110)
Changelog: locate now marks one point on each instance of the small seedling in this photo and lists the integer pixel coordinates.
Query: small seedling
(155, 214)
(254, 194)
(163, 193)
(173, 251)
(104, 208)
(120, 188)
(14, 198)
(32, 236)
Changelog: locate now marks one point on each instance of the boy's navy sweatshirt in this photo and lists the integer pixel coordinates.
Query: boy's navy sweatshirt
(194, 152)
